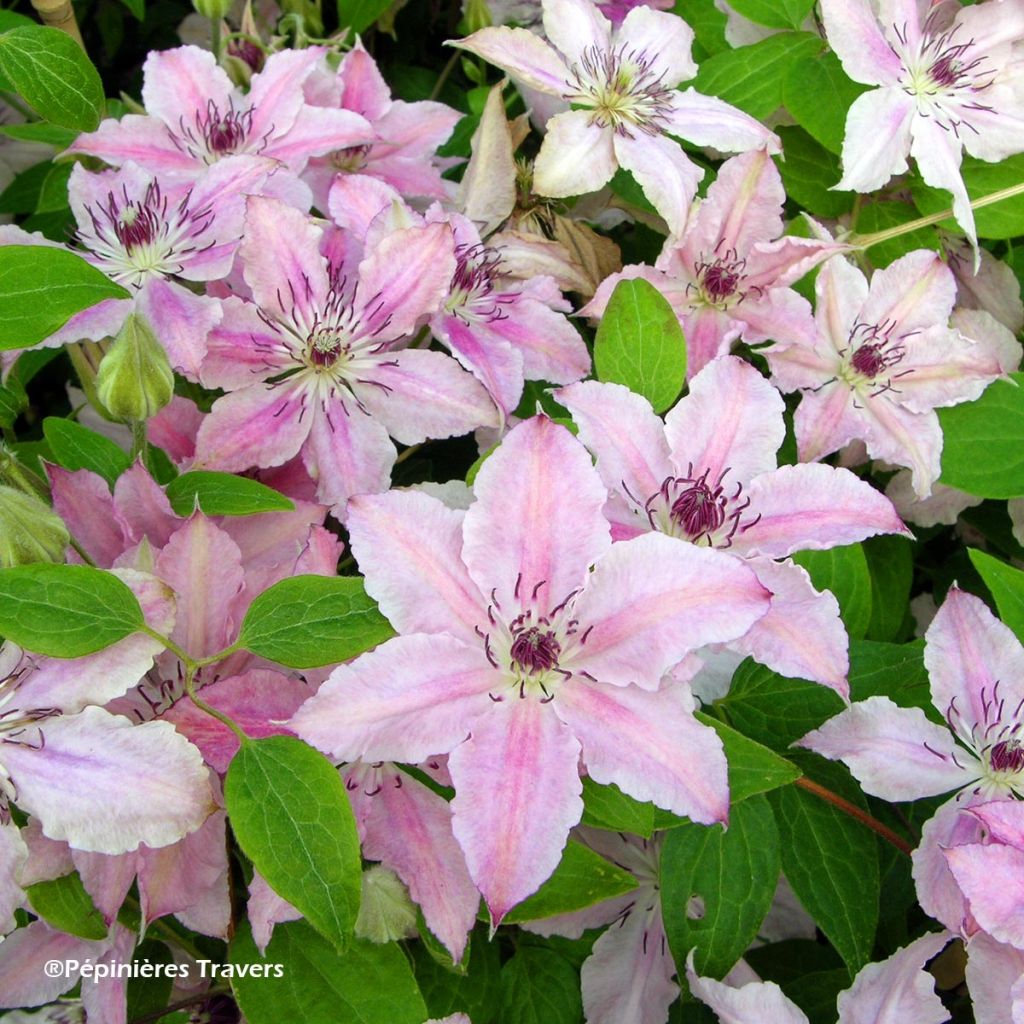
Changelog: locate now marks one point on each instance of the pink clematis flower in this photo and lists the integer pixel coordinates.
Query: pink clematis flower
(885, 357)
(729, 275)
(708, 476)
(317, 363)
(195, 117)
(401, 150)
(517, 660)
(623, 86)
(947, 81)
(894, 991)
(976, 666)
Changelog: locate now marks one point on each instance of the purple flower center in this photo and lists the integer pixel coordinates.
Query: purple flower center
(325, 347)
(1007, 756)
(215, 134)
(698, 509)
(471, 294)
(535, 650)
(875, 351)
(720, 278)
(138, 225)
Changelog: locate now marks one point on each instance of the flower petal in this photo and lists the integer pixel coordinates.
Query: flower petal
(754, 1003)
(913, 293)
(13, 855)
(994, 973)
(573, 26)
(877, 139)
(992, 879)
(180, 84)
(856, 37)
(709, 121)
(938, 154)
(511, 829)
(522, 54)
(663, 39)
(667, 176)
(576, 157)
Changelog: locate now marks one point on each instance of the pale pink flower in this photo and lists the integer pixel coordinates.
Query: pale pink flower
(708, 476)
(885, 357)
(196, 117)
(518, 660)
(947, 81)
(729, 276)
(976, 667)
(317, 362)
(622, 84)
(894, 991)
(992, 286)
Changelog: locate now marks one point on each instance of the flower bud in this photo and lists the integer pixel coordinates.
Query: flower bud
(477, 15)
(135, 380)
(386, 913)
(213, 9)
(29, 530)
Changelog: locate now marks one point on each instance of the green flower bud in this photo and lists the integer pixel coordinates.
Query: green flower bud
(29, 530)
(213, 9)
(386, 913)
(477, 15)
(135, 380)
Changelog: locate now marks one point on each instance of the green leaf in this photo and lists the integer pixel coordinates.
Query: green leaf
(137, 7)
(475, 993)
(752, 77)
(22, 194)
(223, 494)
(65, 611)
(1004, 219)
(773, 709)
(13, 402)
(890, 670)
(40, 131)
(64, 904)
(808, 172)
(640, 344)
(148, 995)
(539, 986)
(733, 871)
(53, 75)
(77, 447)
(1006, 585)
(53, 196)
(359, 15)
(307, 621)
(292, 818)
(891, 564)
(831, 860)
(42, 287)
(844, 571)
(708, 24)
(983, 446)
(819, 94)
(609, 808)
(581, 879)
(774, 13)
(367, 984)
(753, 768)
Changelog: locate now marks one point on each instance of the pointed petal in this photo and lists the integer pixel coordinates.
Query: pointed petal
(825, 421)
(23, 956)
(106, 785)
(242, 348)
(709, 121)
(512, 830)
(915, 292)
(628, 975)
(992, 879)
(275, 95)
(417, 395)
(754, 1003)
(975, 663)
(537, 523)
(622, 431)
(181, 321)
(495, 362)
(709, 334)
(663, 38)
(146, 141)
(779, 314)
(652, 600)
(266, 909)
(317, 131)
(180, 83)
(574, 25)
(576, 157)
(487, 192)
(898, 989)
(409, 829)
(82, 499)
(894, 753)
(856, 37)
(106, 878)
(877, 139)
(730, 422)
(802, 635)
(938, 155)
(411, 698)
(667, 176)
(522, 54)
(409, 548)
(143, 508)
(813, 507)
(649, 745)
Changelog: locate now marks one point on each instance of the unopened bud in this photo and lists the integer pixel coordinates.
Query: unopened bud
(477, 15)
(135, 380)
(213, 9)
(386, 913)
(30, 531)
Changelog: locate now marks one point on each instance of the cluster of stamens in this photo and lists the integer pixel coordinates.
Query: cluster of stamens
(214, 134)
(471, 294)
(873, 352)
(622, 88)
(719, 279)
(350, 159)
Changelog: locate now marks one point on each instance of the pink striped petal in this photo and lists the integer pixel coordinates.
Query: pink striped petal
(23, 956)
(537, 523)
(995, 978)
(410, 698)
(877, 139)
(709, 121)
(856, 37)
(316, 131)
(825, 421)
(181, 320)
(275, 95)
(652, 600)
(522, 54)
(82, 499)
(13, 855)
(992, 880)
(242, 349)
(107, 878)
(517, 795)
(649, 745)
(494, 361)
(180, 83)
(138, 139)
(574, 25)
(409, 548)
(915, 292)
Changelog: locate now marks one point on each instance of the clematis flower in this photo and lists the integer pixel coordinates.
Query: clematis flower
(891, 992)
(195, 117)
(516, 660)
(401, 149)
(316, 363)
(708, 476)
(729, 275)
(885, 357)
(976, 667)
(946, 82)
(623, 86)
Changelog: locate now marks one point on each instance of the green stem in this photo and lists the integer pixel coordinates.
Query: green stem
(866, 241)
(445, 72)
(215, 43)
(140, 446)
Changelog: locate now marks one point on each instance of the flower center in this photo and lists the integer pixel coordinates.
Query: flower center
(350, 159)
(696, 509)
(535, 649)
(325, 347)
(137, 226)
(471, 294)
(623, 90)
(214, 134)
(1007, 756)
(719, 279)
(873, 352)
